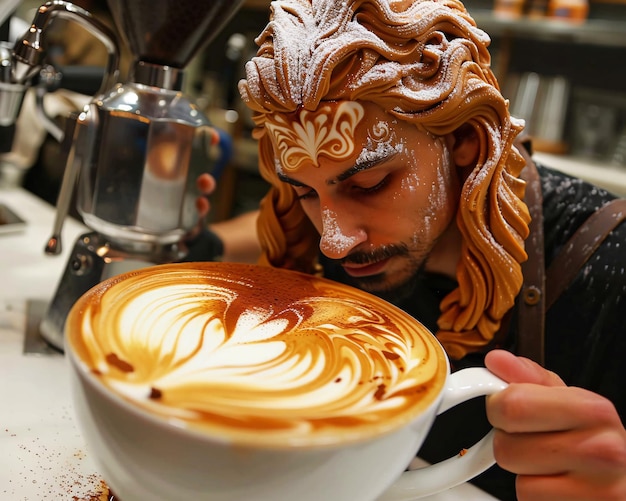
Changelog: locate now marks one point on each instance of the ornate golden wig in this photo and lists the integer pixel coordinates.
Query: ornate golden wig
(426, 62)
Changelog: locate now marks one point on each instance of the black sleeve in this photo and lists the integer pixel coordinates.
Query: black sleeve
(586, 327)
(206, 246)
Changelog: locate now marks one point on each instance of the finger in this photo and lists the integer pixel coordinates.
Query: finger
(568, 488)
(515, 369)
(596, 456)
(202, 206)
(532, 453)
(524, 408)
(206, 183)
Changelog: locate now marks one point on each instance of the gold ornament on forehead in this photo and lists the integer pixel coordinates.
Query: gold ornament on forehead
(328, 131)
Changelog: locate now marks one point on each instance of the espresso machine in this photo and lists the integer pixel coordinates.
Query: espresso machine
(135, 151)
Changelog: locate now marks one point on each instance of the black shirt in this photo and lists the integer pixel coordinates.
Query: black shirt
(585, 329)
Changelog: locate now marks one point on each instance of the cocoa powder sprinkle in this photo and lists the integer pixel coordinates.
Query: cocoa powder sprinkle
(115, 361)
(380, 392)
(390, 355)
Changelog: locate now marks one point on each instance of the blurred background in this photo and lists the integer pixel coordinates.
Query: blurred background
(560, 62)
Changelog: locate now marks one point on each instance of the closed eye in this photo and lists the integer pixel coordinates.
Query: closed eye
(305, 193)
(373, 188)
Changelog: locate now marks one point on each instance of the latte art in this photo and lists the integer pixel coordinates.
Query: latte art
(252, 352)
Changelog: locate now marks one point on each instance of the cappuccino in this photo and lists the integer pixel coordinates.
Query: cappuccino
(256, 355)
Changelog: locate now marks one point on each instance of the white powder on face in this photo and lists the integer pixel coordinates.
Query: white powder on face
(332, 237)
(410, 182)
(278, 167)
(380, 143)
(439, 187)
(444, 173)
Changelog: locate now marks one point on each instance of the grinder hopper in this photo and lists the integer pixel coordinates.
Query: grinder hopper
(138, 186)
(133, 152)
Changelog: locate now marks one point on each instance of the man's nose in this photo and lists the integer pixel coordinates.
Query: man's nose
(340, 234)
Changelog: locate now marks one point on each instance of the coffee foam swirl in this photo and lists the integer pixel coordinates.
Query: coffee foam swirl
(238, 349)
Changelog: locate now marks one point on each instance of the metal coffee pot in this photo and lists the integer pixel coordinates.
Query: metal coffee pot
(134, 153)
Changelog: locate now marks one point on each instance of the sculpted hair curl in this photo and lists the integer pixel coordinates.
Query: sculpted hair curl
(427, 63)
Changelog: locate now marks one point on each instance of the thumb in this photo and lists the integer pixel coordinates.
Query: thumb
(514, 369)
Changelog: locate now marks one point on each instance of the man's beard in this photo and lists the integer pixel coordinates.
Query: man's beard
(380, 284)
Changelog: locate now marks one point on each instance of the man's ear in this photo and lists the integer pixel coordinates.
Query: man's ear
(465, 147)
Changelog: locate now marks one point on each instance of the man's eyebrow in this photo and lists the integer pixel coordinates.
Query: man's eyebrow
(293, 182)
(369, 163)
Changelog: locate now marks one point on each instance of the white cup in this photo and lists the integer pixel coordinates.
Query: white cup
(322, 423)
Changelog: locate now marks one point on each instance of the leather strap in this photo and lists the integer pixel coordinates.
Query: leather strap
(541, 287)
(532, 306)
(580, 247)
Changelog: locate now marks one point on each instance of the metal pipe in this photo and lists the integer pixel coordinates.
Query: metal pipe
(29, 54)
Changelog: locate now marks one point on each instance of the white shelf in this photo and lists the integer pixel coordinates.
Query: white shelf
(607, 32)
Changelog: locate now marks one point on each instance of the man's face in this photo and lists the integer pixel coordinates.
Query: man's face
(380, 192)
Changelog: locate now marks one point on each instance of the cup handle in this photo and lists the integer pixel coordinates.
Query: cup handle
(462, 385)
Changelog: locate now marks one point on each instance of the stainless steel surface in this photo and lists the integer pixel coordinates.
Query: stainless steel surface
(48, 78)
(26, 59)
(34, 343)
(138, 185)
(29, 53)
(11, 96)
(93, 259)
(156, 75)
(11, 93)
(72, 166)
(135, 152)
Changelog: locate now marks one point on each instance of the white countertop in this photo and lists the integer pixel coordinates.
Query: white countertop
(610, 178)
(42, 454)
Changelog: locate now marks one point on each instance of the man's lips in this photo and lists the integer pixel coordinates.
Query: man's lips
(363, 270)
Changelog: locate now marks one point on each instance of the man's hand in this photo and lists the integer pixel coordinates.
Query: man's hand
(564, 443)
(206, 185)
(238, 234)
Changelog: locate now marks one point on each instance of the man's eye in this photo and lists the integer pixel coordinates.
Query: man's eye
(305, 193)
(373, 188)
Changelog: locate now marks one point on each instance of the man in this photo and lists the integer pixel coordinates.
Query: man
(393, 166)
